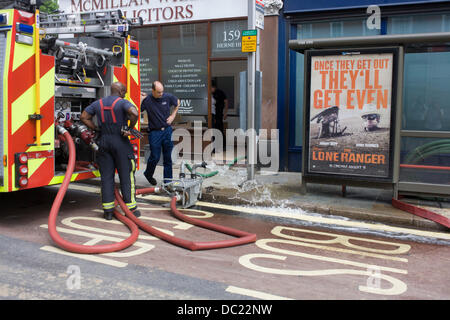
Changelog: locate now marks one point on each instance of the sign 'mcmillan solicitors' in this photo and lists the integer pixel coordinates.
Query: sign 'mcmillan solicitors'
(162, 11)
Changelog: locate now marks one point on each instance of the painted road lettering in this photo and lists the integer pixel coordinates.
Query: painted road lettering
(351, 253)
(373, 283)
(99, 234)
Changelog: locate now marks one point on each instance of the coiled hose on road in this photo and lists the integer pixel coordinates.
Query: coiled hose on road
(134, 223)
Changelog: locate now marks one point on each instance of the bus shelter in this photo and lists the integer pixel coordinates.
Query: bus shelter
(355, 129)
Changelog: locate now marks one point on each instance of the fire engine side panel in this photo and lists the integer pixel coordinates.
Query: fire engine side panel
(3, 45)
(41, 158)
(76, 177)
(22, 104)
(18, 103)
(120, 74)
(4, 112)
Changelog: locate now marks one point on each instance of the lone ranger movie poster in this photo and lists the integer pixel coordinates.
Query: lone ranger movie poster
(349, 129)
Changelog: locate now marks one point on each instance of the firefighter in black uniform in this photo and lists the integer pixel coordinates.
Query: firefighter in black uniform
(115, 150)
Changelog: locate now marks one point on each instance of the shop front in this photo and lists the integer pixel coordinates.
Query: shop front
(422, 115)
(187, 45)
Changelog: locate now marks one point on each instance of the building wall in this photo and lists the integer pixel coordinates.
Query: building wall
(269, 67)
(215, 36)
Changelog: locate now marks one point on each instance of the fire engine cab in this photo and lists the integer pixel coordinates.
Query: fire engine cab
(52, 67)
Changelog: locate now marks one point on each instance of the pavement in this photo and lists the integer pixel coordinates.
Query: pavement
(283, 190)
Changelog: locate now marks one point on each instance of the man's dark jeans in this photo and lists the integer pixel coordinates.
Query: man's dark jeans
(160, 140)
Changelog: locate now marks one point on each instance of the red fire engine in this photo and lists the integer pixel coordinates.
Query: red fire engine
(52, 67)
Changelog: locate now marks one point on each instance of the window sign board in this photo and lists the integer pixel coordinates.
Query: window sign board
(226, 38)
(186, 77)
(184, 66)
(350, 113)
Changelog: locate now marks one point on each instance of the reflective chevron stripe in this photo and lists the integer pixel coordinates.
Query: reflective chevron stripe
(108, 205)
(21, 93)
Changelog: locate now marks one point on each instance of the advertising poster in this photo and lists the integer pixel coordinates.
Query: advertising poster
(350, 114)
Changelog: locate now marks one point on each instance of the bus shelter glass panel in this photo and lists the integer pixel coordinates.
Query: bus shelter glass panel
(425, 160)
(426, 93)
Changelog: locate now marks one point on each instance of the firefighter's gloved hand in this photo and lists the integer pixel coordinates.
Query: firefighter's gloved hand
(136, 133)
(126, 131)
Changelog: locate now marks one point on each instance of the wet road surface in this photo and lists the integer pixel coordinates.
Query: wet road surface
(292, 258)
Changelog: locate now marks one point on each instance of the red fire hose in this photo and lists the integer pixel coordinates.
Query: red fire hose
(132, 222)
(243, 237)
(73, 247)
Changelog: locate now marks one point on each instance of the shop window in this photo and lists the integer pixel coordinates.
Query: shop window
(226, 38)
(184, 61)
(188, 35)
(332, 29)
(419, 23)
(148, 47)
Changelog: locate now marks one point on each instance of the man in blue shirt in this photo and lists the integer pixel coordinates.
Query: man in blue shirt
(158, 106)
(115, 150)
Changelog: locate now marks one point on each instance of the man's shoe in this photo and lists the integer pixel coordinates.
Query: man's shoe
(136, 213)
(108, 215)
(151, 180)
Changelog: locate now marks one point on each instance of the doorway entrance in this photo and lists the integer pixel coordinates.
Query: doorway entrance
(225, 75)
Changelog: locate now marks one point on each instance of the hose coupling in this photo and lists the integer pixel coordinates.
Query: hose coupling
(61, 129)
